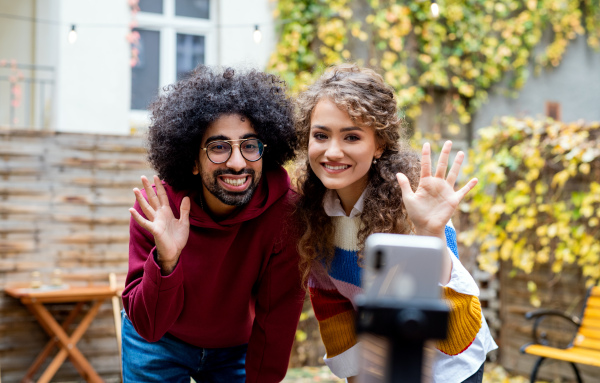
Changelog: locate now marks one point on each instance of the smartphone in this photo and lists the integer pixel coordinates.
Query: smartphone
(398, 268)
(403, 267)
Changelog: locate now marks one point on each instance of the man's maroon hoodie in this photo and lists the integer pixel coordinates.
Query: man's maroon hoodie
(236, 282)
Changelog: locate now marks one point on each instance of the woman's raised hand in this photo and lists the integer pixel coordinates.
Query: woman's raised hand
(432, 205)
(170, 234)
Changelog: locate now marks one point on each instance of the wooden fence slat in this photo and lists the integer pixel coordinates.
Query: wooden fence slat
(7, 208)
(7, 190)
(92, 201)
(101, 164)
(90, 220)
(21, 149)
(20, 171)
(106, 183)
(93, 237)
(16, 246)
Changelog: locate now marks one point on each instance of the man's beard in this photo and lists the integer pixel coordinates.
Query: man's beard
(228, 197)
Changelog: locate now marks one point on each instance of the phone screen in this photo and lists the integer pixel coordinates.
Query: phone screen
(402, 267)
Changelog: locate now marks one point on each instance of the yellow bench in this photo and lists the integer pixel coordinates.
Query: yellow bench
(585, 346)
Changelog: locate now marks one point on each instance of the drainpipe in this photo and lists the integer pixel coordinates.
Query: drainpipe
(219, 18)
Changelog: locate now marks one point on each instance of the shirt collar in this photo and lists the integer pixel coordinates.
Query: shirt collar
(333, 205)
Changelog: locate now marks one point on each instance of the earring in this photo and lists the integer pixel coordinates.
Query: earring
(374, 161)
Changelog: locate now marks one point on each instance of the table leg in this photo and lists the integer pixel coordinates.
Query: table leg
(81, 329)
(51, 344)
(69, 343)
(62, 354)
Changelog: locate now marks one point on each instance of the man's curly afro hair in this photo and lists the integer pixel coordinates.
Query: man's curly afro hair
(182, 114)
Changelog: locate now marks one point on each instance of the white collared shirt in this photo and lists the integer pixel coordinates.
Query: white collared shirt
(333, 206)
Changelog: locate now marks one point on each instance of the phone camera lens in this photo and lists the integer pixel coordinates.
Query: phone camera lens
(379, 262)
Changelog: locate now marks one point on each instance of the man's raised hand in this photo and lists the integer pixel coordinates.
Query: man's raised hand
(170, 234)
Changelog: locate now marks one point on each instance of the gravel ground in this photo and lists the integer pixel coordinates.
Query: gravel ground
(493, 374)
(311, 374)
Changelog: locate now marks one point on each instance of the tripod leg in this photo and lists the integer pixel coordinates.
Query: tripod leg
(405, 362)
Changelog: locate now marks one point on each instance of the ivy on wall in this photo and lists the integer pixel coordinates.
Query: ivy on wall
(540, 203)
(465, 51)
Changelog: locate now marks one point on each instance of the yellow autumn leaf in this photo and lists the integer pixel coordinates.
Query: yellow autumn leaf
(301, 336)
(587, 211)
(560, 178)
(506, 250)
(454, 129)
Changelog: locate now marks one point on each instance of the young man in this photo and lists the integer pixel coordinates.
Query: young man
(213, 290)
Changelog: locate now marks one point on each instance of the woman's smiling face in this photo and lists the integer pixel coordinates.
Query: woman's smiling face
(340, 151)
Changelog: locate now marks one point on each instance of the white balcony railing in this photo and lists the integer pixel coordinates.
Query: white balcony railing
(26, 95)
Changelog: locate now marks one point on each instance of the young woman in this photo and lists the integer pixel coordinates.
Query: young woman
(358, 178)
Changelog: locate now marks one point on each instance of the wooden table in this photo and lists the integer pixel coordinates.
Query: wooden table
(35, 299)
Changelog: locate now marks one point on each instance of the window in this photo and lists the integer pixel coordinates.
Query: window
(144, 76)
(190, 53)
(151, 6)
(175, 37)
(192, 8)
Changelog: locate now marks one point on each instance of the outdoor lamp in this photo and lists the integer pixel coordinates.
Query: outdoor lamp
(72, 35)
(257, 34)
(435, 9)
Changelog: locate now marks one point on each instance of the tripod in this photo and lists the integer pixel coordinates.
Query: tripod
(406, 324)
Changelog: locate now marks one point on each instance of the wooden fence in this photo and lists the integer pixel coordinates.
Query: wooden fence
(64, 202)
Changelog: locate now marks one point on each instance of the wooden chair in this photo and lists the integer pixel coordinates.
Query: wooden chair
(116, 306)
(585, 346)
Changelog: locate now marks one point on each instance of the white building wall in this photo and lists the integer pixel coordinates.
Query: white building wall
(93, 76)
(574, 84)
(238, 19)
(45, 45)
(16, 34)
(92, 92)
(13, 32)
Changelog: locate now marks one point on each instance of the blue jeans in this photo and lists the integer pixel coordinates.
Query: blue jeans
(477, 377)
(172, 360)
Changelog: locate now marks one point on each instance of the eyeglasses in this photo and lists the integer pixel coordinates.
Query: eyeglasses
(218, 152)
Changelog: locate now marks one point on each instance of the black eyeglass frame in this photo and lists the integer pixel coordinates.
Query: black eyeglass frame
(229, 142)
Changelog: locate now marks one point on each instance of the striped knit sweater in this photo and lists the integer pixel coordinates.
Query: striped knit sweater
(332, 291)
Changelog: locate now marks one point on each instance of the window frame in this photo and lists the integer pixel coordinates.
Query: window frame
(169, 25)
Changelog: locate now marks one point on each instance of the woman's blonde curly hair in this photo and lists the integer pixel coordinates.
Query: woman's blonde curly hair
(369, 102)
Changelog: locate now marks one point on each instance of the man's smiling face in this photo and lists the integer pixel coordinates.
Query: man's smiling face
(231, 183)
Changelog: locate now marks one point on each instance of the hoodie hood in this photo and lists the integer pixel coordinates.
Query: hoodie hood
(274, 185)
